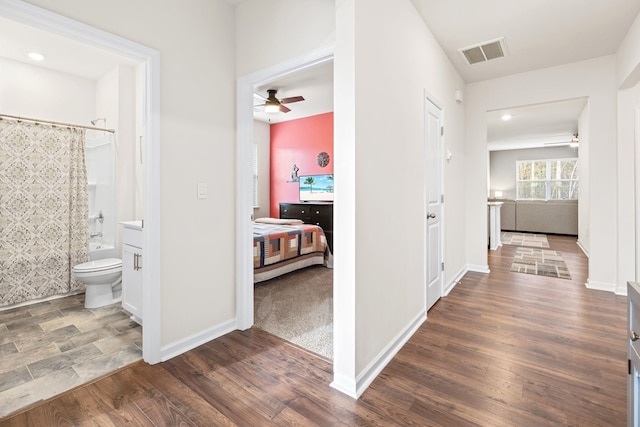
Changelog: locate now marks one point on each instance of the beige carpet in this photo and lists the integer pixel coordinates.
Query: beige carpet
(298, 307)
(524, 239)
(541, 262)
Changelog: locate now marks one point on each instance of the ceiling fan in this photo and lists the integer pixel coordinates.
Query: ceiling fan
(273, 104)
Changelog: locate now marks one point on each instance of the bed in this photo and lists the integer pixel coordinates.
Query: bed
(283, 246)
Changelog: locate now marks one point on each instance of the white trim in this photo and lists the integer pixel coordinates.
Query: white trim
(478, 268)
(189, 343)
(621, 290)
(49, 21)
(600, 286)
(346, 385)
(244, 173)
(452, 284)
(582, 248)
(355, 388)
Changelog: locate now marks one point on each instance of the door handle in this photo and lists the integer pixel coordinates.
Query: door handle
(136, 262)
(633, 336)
(430, 215)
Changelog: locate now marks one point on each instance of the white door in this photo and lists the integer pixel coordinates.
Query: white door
(434, 196)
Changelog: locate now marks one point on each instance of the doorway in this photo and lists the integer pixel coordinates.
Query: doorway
(298, 71)
(43, 20)
(244, 177)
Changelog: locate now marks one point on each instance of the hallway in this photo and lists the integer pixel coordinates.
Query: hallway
(502, 349)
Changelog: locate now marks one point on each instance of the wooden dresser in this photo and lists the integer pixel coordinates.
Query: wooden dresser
(311, 213)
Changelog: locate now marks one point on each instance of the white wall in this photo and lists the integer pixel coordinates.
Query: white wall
(628, 79)
(381, 151)
(262, 137)
(593, 78)
(196, 44)
(502, 165)
(270, 31)
(628, 58)
(32, 91)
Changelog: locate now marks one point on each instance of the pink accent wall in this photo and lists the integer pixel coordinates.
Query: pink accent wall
(298, 142)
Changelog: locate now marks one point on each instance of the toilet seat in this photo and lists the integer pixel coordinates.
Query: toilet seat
(101, 265)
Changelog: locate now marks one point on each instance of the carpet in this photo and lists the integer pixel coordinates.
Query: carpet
(541, 262)
(298, 307)
(524, 239)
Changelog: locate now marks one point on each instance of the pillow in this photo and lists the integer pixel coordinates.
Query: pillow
(280, 221)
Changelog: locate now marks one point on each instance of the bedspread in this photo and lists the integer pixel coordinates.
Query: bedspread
(278, 243)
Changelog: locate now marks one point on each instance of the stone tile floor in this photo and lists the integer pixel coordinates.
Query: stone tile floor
(53, 346)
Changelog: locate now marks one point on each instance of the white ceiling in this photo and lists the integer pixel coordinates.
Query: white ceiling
(538, 33)
(61, 54)
(550, 124)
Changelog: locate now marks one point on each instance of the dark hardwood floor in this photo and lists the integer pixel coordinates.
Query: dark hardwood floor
(503, 349)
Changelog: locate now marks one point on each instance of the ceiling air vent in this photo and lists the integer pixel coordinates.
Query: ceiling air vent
(485, 51)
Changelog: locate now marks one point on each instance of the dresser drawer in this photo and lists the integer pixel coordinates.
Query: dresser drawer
(322, 219)
(294, 211)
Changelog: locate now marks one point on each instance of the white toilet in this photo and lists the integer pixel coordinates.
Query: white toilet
(103, 278)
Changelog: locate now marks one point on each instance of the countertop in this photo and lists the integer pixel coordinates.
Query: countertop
(134, 225)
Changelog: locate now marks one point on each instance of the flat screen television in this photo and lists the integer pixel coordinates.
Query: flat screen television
(316, 188)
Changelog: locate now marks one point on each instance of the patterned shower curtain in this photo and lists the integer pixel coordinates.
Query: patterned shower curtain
(43, 210)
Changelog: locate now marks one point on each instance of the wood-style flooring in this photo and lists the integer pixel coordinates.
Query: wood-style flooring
(502, 349)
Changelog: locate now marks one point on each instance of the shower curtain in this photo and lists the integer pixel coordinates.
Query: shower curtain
(43, 210)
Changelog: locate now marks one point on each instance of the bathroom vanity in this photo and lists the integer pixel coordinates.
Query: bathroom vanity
(132, 269)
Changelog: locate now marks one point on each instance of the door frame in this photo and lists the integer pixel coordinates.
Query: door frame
(46, 20)
(244, 173)
(636, 172)
(429, 98)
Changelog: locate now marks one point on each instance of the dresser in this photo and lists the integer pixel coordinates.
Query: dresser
(311, 213)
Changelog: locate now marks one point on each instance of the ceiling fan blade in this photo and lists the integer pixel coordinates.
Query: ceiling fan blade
(284, 109)
(291, 99)
(257, 95)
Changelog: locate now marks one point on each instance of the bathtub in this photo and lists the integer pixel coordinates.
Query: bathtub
(98, 250)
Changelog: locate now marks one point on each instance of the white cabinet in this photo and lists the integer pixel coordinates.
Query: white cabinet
(132, 270)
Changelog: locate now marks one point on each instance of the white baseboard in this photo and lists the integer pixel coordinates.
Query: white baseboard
(189, 343)
(600, 286)
(355, 388)
(452, 284)
(345, 385)
(478, 268)
(621, 290)
(582, 248)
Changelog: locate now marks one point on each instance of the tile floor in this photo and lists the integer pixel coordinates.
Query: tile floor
(53, 346)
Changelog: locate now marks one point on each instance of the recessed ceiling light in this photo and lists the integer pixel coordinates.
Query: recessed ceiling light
(36, 56)
(506, 117)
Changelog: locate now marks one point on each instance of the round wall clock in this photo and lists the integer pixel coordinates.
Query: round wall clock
(323, 159)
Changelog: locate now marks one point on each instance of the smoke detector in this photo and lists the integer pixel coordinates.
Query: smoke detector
(485, 51)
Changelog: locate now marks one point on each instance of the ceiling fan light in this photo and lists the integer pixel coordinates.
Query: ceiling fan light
(271, 108)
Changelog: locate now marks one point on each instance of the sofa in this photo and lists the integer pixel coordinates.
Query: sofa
(539, 216)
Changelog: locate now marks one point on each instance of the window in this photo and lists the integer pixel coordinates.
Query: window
(547, 179)
(255, 175)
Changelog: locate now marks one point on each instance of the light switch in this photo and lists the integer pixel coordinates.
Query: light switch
(202, 190)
